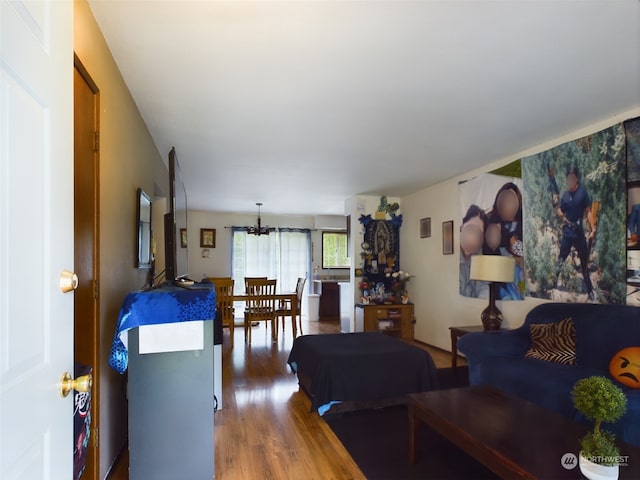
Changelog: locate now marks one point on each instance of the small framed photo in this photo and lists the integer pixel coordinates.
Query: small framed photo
(183, 237)
(208, 237)
(425, 227)
(447, 237)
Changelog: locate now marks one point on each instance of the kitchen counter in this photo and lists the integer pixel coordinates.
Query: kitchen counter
(316, 284)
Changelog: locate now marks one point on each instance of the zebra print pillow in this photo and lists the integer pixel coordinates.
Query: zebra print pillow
(553, 342)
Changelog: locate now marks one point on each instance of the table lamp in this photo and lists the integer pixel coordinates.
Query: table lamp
(492, 269)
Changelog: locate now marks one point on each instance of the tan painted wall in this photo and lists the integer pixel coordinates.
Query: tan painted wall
(434, 290)
(219, 262)
(128, 160)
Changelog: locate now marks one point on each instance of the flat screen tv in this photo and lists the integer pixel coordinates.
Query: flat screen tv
(175, 223)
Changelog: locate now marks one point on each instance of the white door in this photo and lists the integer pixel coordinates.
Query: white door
(36, 238)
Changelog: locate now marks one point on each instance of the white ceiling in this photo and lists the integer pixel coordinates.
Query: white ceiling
(302, 104)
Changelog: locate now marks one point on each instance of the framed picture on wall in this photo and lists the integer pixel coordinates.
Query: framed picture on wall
(425, 227)
(447, 237)
(208, 237)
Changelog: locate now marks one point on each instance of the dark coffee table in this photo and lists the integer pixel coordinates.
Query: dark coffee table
(512, 437)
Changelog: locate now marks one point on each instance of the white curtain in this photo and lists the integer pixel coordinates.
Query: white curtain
(284, 254)
(295, 258)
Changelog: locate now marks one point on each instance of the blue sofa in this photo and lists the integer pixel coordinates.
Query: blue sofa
(497, 359)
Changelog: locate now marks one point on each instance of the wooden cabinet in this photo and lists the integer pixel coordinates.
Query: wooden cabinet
(393, 319)
(330, 301)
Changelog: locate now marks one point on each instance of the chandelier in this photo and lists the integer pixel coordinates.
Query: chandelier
(258, 229)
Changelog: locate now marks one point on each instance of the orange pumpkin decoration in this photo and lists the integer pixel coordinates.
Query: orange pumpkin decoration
(625, 367)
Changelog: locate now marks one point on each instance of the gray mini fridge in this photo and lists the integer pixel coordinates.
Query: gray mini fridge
(171, 407)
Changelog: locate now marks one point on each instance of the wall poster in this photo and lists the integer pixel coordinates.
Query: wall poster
(574, 235)
(491, 225)
(632, 134)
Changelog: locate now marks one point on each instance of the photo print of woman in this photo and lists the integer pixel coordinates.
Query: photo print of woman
(491, 225)
(472, 234)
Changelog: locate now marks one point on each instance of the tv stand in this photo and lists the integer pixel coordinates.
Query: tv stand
(171, 391)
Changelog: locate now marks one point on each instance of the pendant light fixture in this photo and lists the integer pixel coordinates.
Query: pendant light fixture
(258, 229)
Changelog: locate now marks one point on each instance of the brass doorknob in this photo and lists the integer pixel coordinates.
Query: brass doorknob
(68, 281)
(80, 384)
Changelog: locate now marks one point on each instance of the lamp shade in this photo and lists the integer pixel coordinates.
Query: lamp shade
(493, 268)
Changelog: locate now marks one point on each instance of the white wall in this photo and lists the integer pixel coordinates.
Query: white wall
(219, 262)
(434, 290)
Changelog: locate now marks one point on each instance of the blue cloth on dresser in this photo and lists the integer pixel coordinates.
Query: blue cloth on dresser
(168, 304)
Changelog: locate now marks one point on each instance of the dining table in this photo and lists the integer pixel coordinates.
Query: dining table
(291, 297)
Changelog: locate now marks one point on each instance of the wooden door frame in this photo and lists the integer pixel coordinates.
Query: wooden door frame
(94, 445)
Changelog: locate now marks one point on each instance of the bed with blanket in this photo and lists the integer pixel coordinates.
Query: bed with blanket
(359, 367)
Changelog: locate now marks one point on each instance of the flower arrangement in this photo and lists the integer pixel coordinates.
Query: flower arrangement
(399, 281)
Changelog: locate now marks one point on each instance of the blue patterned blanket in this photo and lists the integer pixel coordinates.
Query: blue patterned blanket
(168, 304)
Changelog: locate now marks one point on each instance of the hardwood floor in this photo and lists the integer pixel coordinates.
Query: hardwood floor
(265, 429)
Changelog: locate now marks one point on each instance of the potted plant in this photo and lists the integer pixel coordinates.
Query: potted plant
(598, 399)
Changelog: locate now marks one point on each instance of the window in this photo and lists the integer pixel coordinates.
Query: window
(334, 250)
(284, 254)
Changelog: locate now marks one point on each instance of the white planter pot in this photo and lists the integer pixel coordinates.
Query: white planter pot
(593, 471)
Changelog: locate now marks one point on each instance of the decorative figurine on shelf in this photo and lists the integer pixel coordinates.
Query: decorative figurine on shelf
(366, 255)
(380, 292)
(374, 267)
(404, 299)
(364, 287)
(392, 208)
(385, 208)
(381, 212)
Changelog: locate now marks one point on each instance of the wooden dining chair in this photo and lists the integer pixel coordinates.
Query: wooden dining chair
(224, 302)
(253, 278)
(284, 309)
(260, 305)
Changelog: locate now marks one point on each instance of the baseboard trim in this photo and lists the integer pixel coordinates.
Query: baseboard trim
(460, 356)
(432, 346)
